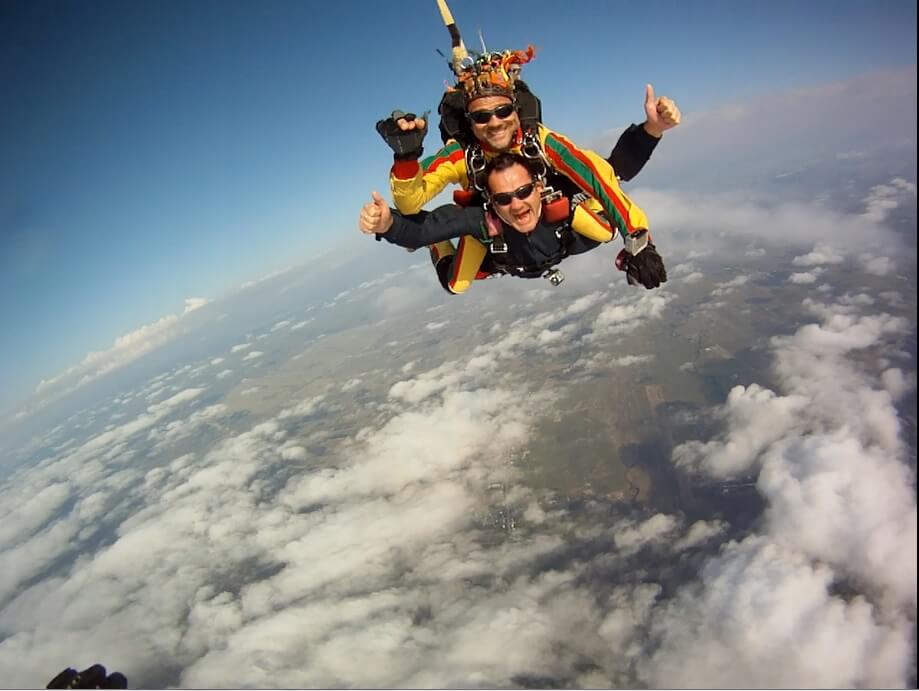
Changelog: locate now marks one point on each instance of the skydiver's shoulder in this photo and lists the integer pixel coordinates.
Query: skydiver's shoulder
(451, 151)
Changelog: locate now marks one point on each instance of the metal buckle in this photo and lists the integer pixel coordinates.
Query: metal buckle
(554, 276)
(475, 166)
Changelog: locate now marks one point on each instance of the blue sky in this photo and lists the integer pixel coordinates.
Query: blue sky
(156, 151)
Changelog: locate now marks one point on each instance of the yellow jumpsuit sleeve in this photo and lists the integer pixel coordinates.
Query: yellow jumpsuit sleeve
(414, 183)
(596, 177)
(589, 220)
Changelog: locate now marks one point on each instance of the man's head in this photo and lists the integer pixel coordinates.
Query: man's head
(488, 83)
(494, 121)
(514, 191)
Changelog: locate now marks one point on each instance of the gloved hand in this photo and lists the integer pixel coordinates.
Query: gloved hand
(645, 268)
(94, 677)
(406, 139)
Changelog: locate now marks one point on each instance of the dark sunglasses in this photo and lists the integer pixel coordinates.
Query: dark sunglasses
(483, 117)
(521, 193)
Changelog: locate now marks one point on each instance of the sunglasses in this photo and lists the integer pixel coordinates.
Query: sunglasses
(483, 117)
(521, 193)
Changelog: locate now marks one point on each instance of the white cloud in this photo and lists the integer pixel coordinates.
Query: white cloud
(726, 287)
(699, 533)
(877, 265)
(821, 254)
(183, 427)
(191, 304)
(806, 277)
(884, 198)
(840, 506)
(763, 616)
(266, 277)
(658, 528)
(624, 314)
(351, 384)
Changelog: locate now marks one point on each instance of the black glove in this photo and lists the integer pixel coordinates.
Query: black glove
(645, 268)
(405, 143)
(94, 677)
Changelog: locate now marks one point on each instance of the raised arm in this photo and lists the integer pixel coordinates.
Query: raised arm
(446, 222)
(637, 143)
(414, 183)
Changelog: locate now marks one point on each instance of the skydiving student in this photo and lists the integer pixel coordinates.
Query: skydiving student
(512, 235)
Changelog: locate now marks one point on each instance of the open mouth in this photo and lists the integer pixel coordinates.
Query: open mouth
(523, 217)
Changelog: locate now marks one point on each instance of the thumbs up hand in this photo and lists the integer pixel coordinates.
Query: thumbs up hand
(662, 113)
(375, 218)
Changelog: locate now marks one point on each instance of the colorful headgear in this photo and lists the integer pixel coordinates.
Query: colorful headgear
(491, 74)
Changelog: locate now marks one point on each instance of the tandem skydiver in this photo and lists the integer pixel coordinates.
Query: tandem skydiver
(511, 235)
(493, 101)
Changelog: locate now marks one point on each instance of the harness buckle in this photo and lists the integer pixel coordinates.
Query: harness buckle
(554, 276)
(475, 166)
(498, 245)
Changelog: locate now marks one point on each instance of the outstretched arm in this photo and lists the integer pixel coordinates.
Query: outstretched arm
(637, 143)
(419, 230)
(594, 176)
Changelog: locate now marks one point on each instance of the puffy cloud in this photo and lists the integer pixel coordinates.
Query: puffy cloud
(755, 418)
(625, 313)
(727, 287)
(840, 506)
(805, 278)
(821, 254)
(765, 616)
(699, 533)
(656, 529)
(884, 198)
(877, 265)
(191, 304)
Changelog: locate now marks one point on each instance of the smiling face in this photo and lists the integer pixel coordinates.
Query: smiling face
(497, 133)
(520, 214)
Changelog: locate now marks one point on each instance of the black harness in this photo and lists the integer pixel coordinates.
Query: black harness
(455, 125)
(499, 259)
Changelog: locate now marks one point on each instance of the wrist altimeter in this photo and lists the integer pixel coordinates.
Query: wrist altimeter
(637, 241)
